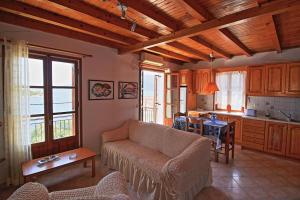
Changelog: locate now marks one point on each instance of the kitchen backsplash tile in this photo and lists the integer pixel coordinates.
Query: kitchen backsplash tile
(205, 102)
(273, 105)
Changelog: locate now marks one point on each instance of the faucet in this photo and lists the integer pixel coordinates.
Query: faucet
(288, 116)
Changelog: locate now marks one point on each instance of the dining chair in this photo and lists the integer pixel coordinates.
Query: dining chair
(227, 143)
(195, 125)
(179, 123)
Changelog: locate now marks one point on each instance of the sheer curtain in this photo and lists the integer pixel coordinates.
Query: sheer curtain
(16, 112)
(232, 87)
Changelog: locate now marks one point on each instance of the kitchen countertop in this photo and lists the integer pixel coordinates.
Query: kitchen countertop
(240, 114)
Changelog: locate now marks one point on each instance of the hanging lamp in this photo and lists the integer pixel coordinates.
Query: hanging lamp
(211, 87)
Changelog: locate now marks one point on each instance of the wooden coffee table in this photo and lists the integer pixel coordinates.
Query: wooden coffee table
(31, 169)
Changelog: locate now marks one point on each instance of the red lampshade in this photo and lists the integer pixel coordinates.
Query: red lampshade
(211, 88)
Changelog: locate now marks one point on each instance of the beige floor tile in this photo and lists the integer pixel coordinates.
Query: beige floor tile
(224, 182)
(256, 193)
(245, 181)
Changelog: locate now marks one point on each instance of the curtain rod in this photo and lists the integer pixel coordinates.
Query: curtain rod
(53, 49)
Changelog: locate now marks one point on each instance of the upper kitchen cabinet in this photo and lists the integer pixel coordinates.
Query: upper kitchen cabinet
(293, 79)
(275, 80)
(256, 81)
(186, 79)
(201, 79)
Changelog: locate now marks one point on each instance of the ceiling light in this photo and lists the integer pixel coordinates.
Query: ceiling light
(123, 9)
(133, 26)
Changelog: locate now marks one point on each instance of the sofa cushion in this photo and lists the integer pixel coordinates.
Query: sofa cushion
(147, 134)
(148, 160)
(112, 184)
(175, 141)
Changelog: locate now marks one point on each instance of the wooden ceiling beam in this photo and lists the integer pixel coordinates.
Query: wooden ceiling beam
(195, 52)
(49, 28)
(49, 16)
(271, 8)
(170, 54)
(206, 15)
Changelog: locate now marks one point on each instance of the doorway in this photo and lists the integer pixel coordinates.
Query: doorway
(152, 96)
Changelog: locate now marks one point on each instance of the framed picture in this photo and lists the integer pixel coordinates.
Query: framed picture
(101, 90)
(128, 90)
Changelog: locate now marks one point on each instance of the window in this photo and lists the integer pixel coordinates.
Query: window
(232, 90)
(54, 104)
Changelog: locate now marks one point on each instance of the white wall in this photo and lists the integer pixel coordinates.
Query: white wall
(257, 59)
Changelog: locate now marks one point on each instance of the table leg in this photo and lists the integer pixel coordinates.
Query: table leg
(93, 167)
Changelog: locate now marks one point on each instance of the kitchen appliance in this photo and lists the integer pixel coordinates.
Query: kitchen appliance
(250, 112)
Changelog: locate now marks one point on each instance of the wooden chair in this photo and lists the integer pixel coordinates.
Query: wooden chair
(228, 143)
(179, 114)
(195, 125)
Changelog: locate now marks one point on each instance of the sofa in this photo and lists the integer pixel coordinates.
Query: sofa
(159, 162)
(111, 187)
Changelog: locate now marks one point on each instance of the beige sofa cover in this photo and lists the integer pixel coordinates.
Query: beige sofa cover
(158, 161)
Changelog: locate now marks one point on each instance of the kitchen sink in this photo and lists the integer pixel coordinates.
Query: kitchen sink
(284, 120)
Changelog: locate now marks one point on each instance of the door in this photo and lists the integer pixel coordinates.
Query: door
(183, 99)
(275, 80)
(152, 101)
(292, 79)
(276, 136)
(54, 104)
(293, 141)
(172, 97)
(256, 80)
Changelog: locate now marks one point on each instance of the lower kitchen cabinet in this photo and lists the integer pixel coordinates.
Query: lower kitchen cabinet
(253, 134)
(293, 141)
(276, 138)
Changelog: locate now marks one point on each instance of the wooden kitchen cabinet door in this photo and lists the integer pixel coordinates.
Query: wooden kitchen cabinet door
(256, 81)
(275, 80)
(276, 138)
(293, 141)
(293, 79)
(238, 128)
(201, 79)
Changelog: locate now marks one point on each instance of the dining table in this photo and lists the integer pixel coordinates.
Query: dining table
(212, 128)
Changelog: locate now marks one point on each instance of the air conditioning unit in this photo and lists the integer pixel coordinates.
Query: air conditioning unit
(150, 59)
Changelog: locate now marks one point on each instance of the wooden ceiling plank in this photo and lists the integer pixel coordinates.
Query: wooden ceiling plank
(170, 54)
(206, 15)
(37, 12)
(49, 28)
(271, 8)
(189, 49)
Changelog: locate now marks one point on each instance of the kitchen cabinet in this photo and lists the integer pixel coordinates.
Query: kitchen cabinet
(256, 81)
(275, 80)
(222, 117)
(293, 141)
(186, 79)
(238, 128)
(275, 138)
(201, 79)
(292, 86)
(253, 134)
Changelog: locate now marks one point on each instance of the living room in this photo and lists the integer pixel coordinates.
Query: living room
(84, 66)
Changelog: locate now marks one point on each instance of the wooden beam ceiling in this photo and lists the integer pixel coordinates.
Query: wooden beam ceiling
(271, 27)
(206, 15)
(49, 28)
(33, 12)
(271, 8)
(103, 15)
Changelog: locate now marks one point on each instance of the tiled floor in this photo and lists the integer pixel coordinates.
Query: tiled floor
(251, 175)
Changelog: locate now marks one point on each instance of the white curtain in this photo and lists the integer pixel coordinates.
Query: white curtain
(232, 87)
(16, 109)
